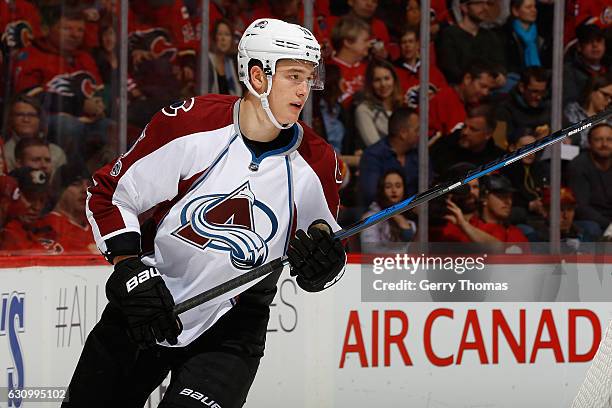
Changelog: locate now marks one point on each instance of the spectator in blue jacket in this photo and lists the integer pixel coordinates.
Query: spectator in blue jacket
(396, 151)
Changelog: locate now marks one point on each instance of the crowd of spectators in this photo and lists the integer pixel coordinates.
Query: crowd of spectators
(489, 93)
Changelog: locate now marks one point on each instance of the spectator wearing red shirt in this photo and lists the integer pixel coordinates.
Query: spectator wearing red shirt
(408, 68)
(447, 108)
(67, 222)
(351, 40)
(19, 25)
(454, 217)
(496, 193)
(56, 65)
(365, 10)
(23, 234)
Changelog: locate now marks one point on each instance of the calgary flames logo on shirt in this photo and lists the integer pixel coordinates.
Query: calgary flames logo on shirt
(226, 222)
(155, 40)
(17, 34)
(80, 84)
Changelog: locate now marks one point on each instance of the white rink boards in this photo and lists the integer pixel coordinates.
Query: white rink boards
(332, 350)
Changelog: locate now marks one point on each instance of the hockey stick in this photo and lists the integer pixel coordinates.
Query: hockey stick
(400, 207)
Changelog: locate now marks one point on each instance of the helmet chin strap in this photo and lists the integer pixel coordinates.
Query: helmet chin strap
(263, 98)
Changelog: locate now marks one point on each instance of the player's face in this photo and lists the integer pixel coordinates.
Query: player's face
(499, 205)
(290, 89)
(25, 120)
(67, 34)
(409, 46)
(600, 141)
(38, 157)
(394, 188)
(526, 12)
(383, 83)
(364, 8)
(477, 88)
(223, 39)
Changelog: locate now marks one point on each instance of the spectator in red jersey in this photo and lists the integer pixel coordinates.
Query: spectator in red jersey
(57, 66)
(408, 68)
(9, 192)
(23, 234)
(223, 76)
(527, 105)
(598, 12)
(25, 123)
(34, 153)
(597, 97)
(454, 217)
(381, 96)
(459, 45)
(447, 107)
(67, 222)
(496, 193)
(351, 40)
(19, 24)
(473, 143)
(67, 78)
(585, 62)
(364, 10)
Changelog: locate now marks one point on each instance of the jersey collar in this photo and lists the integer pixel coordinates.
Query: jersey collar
(293, 145)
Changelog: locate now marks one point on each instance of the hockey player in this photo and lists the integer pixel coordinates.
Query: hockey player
(228, 182)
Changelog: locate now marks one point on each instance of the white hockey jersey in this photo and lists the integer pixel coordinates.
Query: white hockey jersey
(218, 209)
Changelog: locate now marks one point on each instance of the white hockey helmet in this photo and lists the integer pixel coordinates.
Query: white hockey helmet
(269, 40)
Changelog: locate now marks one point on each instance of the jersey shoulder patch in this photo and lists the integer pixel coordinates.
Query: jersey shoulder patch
(195, 115)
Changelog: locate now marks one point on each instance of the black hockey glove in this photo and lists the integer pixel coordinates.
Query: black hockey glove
(316, 258)
(140, 293)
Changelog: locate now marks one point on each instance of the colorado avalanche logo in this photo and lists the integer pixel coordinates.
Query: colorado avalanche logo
(173, 109)
(226, 222)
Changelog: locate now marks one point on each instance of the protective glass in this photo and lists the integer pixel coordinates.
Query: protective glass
(301, 72)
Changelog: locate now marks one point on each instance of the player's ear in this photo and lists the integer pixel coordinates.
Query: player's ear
(258, 79)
